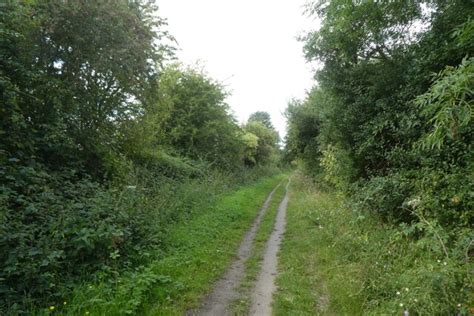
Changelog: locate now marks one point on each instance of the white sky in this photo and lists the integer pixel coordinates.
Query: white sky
(249, 45)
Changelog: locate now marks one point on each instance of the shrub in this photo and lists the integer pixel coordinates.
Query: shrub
(337, 167)
(384, 195)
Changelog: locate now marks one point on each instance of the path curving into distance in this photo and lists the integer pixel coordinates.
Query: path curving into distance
(225, 290)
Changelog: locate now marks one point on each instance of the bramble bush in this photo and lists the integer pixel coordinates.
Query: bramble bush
(62, 229)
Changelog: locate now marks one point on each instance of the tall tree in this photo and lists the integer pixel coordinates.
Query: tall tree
(194, 119)
(71, 72)
(259, 124)
(88, 66)
(262, 117)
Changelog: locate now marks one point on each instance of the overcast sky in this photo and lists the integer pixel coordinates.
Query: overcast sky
(249, 45)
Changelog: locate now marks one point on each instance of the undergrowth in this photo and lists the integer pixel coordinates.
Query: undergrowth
(77, 231)
(194, 250)
(338, 261)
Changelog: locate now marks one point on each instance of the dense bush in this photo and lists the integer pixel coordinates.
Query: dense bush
(266, 148)
(102, 146)
(379, 120)
(192, 117)
(71, 230)
(390, 123)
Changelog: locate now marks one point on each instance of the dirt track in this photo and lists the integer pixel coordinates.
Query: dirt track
(265, 285)
(225, 290)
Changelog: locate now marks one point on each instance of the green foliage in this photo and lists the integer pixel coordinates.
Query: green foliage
(259, 127)
(336, 166)
(398, 140)
(385, 195)
(250, 141)
(66, 102)
(194, 253)
(262, 117)
(63, 106)
(74, 231)
(359, 124)
(267, 142)
(347, 263)
(193, 118)
(102, 149)
(448, 104)
(303, 126)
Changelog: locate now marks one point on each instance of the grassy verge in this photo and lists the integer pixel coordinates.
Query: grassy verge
(335, 261)
(302, 282)
(242, 306)
(197, 252)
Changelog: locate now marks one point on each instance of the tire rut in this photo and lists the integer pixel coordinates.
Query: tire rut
(262, 294)
(225, 289)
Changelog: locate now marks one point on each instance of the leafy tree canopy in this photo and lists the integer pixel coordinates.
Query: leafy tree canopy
(262, 117)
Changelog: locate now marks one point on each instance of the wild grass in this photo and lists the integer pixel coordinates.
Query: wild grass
(302, 287)
(335, 261)
(194, 253)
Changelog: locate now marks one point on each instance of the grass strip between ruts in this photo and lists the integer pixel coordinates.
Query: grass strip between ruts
(253, 265)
